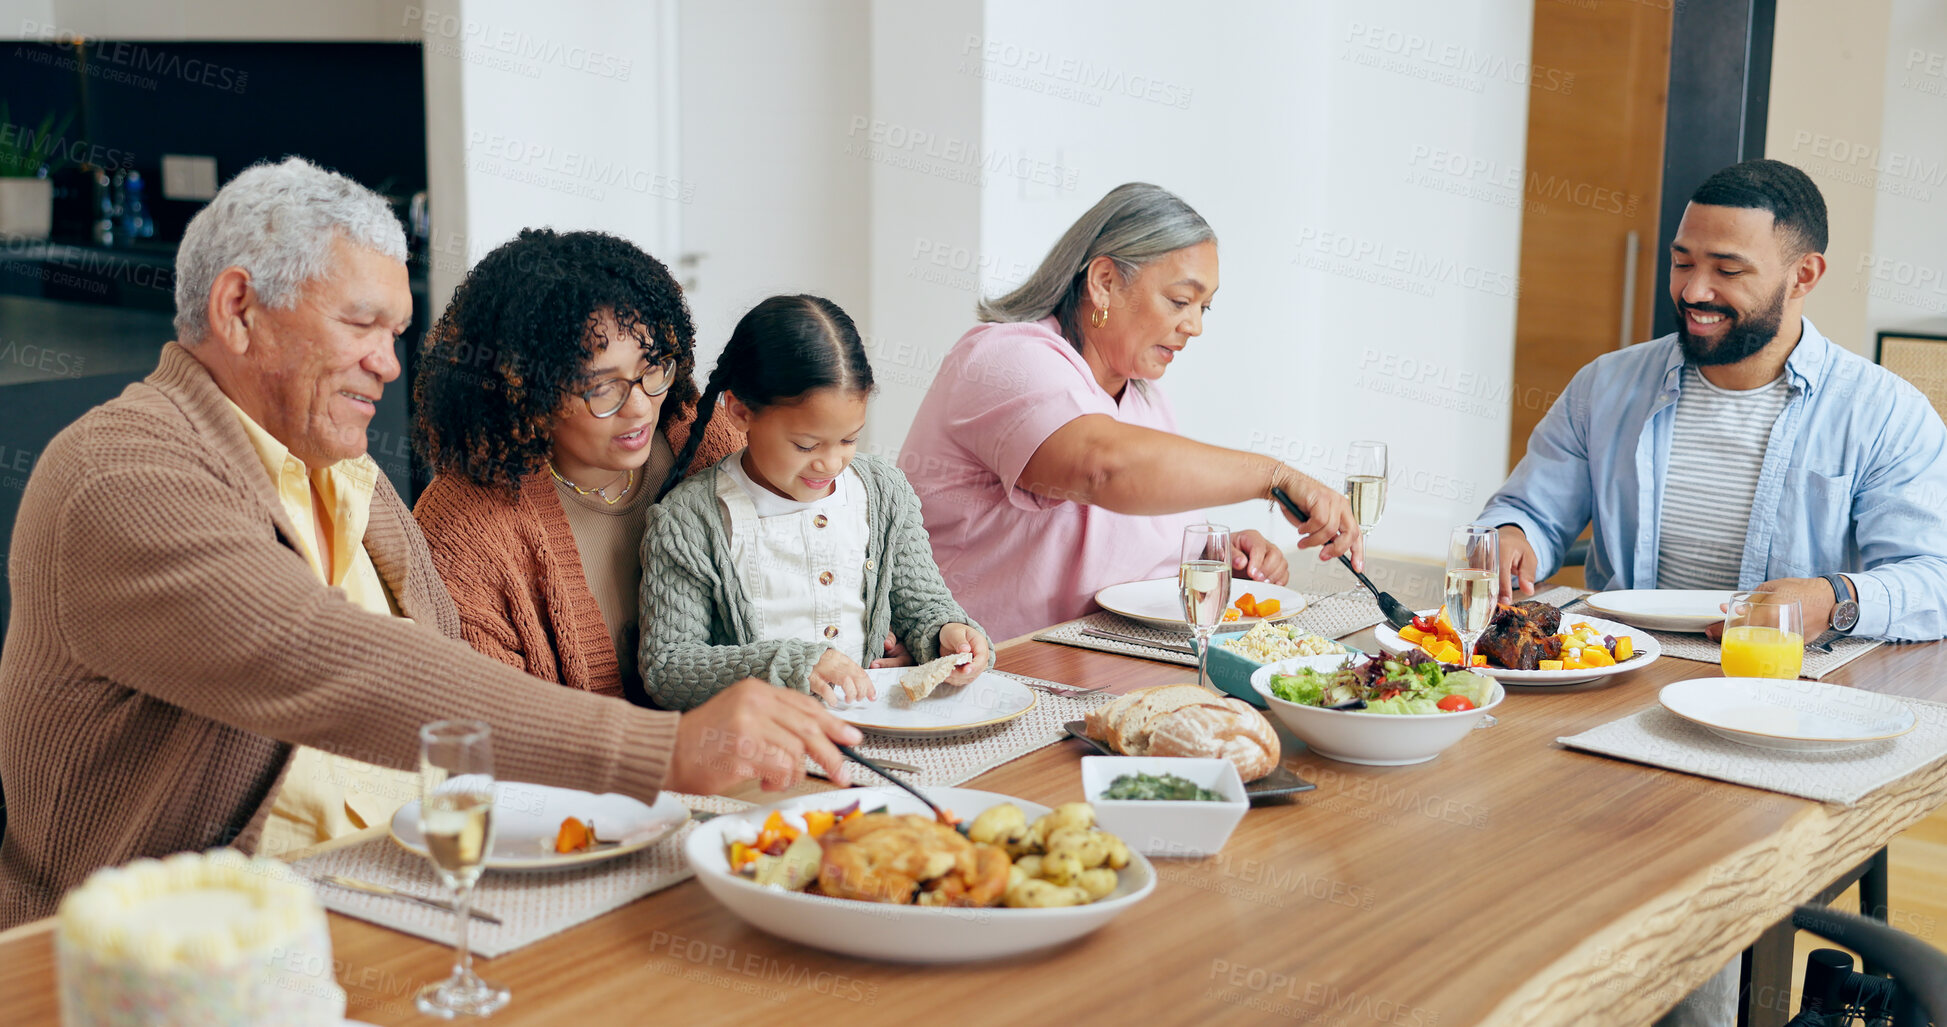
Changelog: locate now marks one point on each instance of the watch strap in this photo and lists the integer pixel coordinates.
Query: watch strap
(1842, 595)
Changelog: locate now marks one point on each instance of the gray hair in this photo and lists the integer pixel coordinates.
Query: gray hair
(1132, 226)
(277, 222)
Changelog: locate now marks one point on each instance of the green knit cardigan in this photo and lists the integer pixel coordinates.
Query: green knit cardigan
(696, 619)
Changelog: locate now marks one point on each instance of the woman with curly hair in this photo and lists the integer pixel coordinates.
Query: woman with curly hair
(552, 398)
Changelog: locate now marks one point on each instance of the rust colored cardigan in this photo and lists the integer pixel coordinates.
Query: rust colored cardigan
(169, 645)
(511, 565)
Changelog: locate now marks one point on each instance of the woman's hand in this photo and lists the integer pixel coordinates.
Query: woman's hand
(1328, 518)
(962, 638)
(1253, 556)
(838, 679)
(896, 655)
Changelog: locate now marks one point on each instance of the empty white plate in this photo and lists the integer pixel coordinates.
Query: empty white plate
(1800, 716)
(988, 700)
(527, 818)
(1662, 609)
(1159, 602)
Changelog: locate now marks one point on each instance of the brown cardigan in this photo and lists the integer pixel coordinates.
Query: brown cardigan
(169, 645)
(512, 567)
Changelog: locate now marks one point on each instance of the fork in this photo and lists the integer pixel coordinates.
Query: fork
(1067, 693)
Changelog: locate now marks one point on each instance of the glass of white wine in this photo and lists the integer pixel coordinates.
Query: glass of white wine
(1473, 566)
(456, 800)
(1365, 483)
(1204, 580)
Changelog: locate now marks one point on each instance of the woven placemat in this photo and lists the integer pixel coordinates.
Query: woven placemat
(949, 760)
(530, 904)
(1333, 616)
(1661, 738)
(1818, 662)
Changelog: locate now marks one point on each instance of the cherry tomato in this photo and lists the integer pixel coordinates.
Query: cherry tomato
(1455, 704)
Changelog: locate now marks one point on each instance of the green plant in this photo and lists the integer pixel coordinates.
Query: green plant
(23, 152)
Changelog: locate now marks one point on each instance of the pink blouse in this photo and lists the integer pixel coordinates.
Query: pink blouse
(1019, 561)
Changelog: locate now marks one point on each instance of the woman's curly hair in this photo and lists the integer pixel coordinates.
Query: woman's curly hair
(507, 355)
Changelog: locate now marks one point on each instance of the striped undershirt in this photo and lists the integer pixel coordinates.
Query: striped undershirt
(1717, 447)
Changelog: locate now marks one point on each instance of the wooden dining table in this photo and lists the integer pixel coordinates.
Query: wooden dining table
(1510, 881)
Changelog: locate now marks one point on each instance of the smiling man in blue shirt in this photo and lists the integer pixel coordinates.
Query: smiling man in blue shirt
(1746, 450)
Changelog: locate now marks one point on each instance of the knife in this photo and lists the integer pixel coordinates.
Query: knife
(374, 888)
(1116, 636)
(1396, 612)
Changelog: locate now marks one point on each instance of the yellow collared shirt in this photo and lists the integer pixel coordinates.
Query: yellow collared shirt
(326, 796)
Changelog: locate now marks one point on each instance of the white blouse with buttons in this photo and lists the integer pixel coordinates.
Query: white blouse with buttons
(803, 564)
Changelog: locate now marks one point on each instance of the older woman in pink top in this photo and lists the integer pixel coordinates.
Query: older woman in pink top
(1046, 457)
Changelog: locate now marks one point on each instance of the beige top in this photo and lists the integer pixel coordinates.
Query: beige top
(609, 539)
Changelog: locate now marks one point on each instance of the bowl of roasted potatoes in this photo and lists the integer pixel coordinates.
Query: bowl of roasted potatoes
(872, 872)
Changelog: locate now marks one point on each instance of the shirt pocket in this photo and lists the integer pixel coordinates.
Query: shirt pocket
(1814, 521)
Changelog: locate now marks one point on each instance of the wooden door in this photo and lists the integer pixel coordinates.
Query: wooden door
(1594, 169)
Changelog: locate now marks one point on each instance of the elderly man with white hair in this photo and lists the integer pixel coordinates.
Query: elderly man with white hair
(208, 573)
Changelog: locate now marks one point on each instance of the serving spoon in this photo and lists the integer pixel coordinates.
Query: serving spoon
(878, 768)
(1396, 612)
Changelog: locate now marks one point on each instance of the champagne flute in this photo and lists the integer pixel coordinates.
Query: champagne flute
(1204, 580)
(1764, 637)
(456, 797)
(1365, 483)
(1473, 563)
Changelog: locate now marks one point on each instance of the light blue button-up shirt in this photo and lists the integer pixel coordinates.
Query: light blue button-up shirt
(1854, 480)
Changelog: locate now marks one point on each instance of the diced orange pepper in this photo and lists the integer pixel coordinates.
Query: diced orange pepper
(1246, 604)
(573, 836)
(1269, 608)
(1412, 634)
(818, 821)
(1625, 648)
(1480, 660)
(1596, 656)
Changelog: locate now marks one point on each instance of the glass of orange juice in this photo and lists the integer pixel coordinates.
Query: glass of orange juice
(1764, 636)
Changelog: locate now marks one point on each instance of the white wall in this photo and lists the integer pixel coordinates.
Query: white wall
(560, 116)
(1905, 273)
(368, 20)
(769, 91)
(1290, 128)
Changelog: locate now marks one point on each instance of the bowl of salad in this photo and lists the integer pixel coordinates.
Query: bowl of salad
(1385, 711)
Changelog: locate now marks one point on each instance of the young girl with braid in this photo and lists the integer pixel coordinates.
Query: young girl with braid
(794, 557)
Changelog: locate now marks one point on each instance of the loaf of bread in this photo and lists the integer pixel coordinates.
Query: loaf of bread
(1187, 720)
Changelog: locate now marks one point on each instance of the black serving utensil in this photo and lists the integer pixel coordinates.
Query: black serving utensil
(879, 769)
(1396, 612)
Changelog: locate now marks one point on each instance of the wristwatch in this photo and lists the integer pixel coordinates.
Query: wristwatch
(1845, 609)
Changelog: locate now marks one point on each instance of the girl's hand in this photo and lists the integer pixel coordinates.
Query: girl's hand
(962, 638)
(896, 655)
(1254, 557)
(838, 679)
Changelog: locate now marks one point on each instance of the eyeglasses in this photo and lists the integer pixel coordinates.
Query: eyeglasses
(608, 398)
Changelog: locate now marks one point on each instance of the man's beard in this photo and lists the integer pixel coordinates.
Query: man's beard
(1747, 334)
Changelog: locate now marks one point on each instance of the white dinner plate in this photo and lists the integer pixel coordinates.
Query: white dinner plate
(987, 700)
(527, 817)
(1662, 609)
(1159, 602)
(1799, 716)
(904, 934)
(1646, 648)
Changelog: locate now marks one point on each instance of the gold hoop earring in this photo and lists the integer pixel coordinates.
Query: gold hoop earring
(1100, 318)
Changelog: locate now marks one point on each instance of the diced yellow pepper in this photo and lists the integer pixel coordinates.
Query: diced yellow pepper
(1412, 634)
(1480, 660)
(1596, 656)
(1625, 648)
(1550, 665)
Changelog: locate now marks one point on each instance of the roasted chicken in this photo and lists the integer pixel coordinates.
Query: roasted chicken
(1521, 636)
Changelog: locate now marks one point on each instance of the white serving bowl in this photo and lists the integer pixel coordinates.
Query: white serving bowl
(1373, 739)
(905, 934)
(1167, 827)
